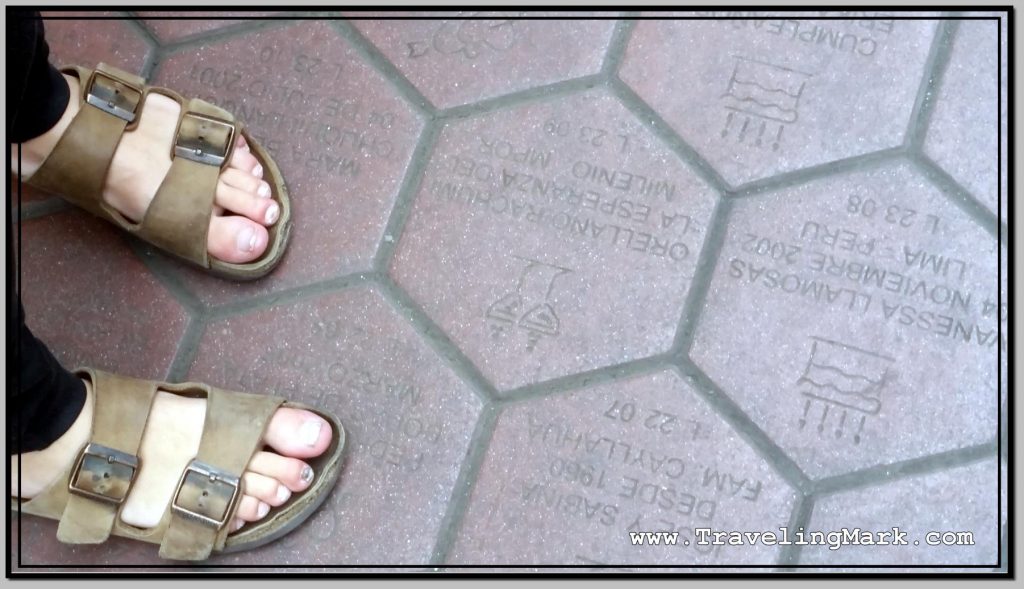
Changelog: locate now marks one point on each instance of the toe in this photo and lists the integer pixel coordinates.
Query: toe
(244, 160)
(251, 509)
(236, 239)
(245, 181)
(262, 210)
(298, 433)
(266, 489)
(291, 472)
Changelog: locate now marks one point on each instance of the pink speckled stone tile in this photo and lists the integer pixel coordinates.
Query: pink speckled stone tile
(964, 499)
(408, 420)
(758, 97)
(963, 135)
(168, 28)
(852, 318)
(339, 132)
(456, 61)
(89, 42)
(566, 479)
(553, 238)
(89, 299)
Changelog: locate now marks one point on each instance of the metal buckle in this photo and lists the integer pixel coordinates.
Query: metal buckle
(109, 474)
(206, 494)
(113, 95)
(204, 139)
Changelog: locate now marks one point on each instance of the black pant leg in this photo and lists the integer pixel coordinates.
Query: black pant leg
(37, 94)
(44, 399)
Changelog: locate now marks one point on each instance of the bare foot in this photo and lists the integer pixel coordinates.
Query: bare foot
(170, 441)
(243, 208)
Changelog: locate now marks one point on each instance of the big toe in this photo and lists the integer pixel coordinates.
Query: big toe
(298, 433)
(236, 239)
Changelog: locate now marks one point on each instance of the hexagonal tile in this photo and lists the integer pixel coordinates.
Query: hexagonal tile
(408, 419)
(959, 500)
(457, 61)
(167, 27)
(88, 42)
(759, 97)
(853, 318)
(336, 128)
(567, 478)
(92, 301)
(553, 238)
(963, 134)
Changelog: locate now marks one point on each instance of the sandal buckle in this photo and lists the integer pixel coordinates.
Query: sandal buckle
(103, 473)
(204, 139)
(206, 494)
(113, 96)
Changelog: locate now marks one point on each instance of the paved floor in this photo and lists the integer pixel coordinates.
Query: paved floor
(568, 279)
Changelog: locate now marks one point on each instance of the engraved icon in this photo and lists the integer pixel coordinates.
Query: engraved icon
(760, 100)
(528, 307)
(470, 38)
(844, 381)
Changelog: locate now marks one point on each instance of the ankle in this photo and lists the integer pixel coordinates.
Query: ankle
(41, 468)
(35, 151)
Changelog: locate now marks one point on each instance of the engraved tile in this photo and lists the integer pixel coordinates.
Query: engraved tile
(553, 238)
(336, 128)
(92, 302)
(167, 28)
(408, 419)
(962, 499)
(567, 478)
(88, 42)
(854, 320)
(759, 97)
(454, 62)
(963, 134)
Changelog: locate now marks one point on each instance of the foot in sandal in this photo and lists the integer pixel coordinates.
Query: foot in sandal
(164, 430)
(245, 208)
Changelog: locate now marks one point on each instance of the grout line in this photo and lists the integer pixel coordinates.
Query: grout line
(406, 195)
(437, 339)
(798, 520)
(160, 267)
(741, 423)
(583, 380)
(960, 196)
(35, 210)
(621, 35)
(887, 473)
(667, 135)
(934, 71)
(696, 297)
(185, 355)
(230, 32)
(290, 295)
(860, 162)
(521, 97)
(139, 26)
(469, 471)
(389, 71)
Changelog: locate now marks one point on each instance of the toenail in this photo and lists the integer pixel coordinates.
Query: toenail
(283, 493)
(263, 509)
(272, 212)
(264, 190)
(238, 524)
(309, 433)
(307, 474)
(258, 171)
(246, 239)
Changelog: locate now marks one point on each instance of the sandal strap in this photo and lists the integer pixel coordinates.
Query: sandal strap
(178, 218)
(106, 468)
(77, 166)
(207, 497)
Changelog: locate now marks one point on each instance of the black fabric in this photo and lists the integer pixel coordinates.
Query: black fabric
(37, 94)
(44, 399)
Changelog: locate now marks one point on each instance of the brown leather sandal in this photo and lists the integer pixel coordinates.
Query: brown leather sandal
(88, 498)
(178, 218)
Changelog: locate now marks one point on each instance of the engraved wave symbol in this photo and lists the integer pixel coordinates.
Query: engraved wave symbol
(736, 80)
